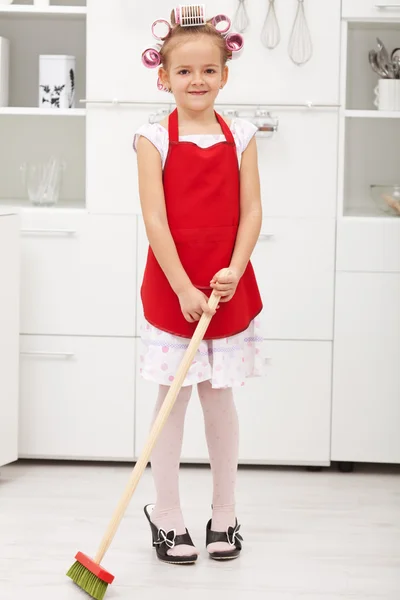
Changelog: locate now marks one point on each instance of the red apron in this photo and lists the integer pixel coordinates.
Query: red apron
(202, 197)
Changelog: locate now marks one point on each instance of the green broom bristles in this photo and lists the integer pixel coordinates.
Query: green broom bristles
(92, 585)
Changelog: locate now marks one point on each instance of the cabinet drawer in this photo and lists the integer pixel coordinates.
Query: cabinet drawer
(78, 274)
(76, 397)
(294, 265)
(366, 382)
(371, 10)
(368, 245)
(282, 419)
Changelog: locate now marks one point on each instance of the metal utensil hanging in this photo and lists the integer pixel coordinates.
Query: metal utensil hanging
(241, 19)
(300, 45)
(270, 34)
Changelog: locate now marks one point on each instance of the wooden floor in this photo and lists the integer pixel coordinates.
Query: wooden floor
(308, 536)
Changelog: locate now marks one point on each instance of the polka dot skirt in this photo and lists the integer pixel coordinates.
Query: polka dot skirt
(226, 362)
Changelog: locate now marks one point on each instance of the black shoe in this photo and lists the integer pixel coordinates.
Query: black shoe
(232, 537)
(164, 541)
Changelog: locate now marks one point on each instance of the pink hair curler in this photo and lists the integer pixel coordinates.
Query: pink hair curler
(164, 26)
(151, 57)
(190, 15)
(235, 43)
(222, 24)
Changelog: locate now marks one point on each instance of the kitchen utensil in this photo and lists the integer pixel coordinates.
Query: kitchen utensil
(386, 198)
(383, 59)
(271, 35)
(372, 57)
(300, 44)
(241, 19)
(87, 573)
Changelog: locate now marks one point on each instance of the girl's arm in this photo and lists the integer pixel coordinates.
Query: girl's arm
(250, 209)
(227, 280)
(192, 301)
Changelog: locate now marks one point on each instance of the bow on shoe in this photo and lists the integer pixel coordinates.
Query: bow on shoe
(166, 538)
(233, 534)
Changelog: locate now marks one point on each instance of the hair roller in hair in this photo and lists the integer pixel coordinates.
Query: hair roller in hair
(222, 24)
(151, 57)
(234, 43)
(190, 15)
(160, 29)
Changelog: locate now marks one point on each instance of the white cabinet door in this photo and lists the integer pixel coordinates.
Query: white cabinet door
(366, 384)
(284, 416)
(294, 265)
(9, 336)
(77, 397)
(78, 274)
(371, 10)
(298, 165)
(112, 181)
(370, 245)
(118, 32)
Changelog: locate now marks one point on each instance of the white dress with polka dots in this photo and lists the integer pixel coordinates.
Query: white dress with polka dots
(226, 362)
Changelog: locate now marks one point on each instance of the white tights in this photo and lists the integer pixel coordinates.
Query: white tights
(222, 434)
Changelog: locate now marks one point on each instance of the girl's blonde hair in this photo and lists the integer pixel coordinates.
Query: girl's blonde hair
(179, 34)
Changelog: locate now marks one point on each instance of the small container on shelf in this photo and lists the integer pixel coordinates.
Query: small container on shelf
(56, 81)
(4, 70)
(387, 198)
(41, 3)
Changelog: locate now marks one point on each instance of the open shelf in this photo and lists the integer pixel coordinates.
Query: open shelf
(371, 157)
(360, 78)
(41, 112)
(28, 40)
(372, 114)
(17, 204)
(48, 12)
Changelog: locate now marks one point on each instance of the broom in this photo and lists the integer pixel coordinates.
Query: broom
(88, 573)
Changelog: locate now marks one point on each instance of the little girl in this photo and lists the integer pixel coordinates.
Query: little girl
(200, 198)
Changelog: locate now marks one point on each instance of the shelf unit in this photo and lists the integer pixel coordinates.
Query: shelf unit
(369, 139)
(38, 134)
(49, 12)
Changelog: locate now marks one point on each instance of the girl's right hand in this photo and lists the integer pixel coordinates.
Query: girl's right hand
(193, 303)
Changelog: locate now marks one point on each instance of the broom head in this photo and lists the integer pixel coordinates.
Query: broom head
(90, 576)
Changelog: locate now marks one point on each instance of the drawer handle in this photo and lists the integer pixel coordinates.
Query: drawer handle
(383, 6)
(58, 354)
(51, 231)
(265, 236)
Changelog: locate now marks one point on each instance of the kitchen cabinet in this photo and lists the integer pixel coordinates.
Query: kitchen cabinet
(77, 397)
(261, 76)
(78, 274)
(296, 280)
(9, 336)
(370, 10)
(366, 374)
(283, 419)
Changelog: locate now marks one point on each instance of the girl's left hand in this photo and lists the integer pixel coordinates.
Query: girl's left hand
(225, 283)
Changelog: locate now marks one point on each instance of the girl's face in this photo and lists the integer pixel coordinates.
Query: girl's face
(195, 73)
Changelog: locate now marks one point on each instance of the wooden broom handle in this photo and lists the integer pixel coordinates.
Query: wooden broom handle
(156, 429)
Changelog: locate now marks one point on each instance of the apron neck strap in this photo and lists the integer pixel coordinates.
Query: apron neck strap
(173, 128)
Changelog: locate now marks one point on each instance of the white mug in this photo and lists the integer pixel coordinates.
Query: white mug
(41, 3)
(387, 94)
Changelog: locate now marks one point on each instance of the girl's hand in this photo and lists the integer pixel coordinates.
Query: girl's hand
(225, 283)
(193, 303)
